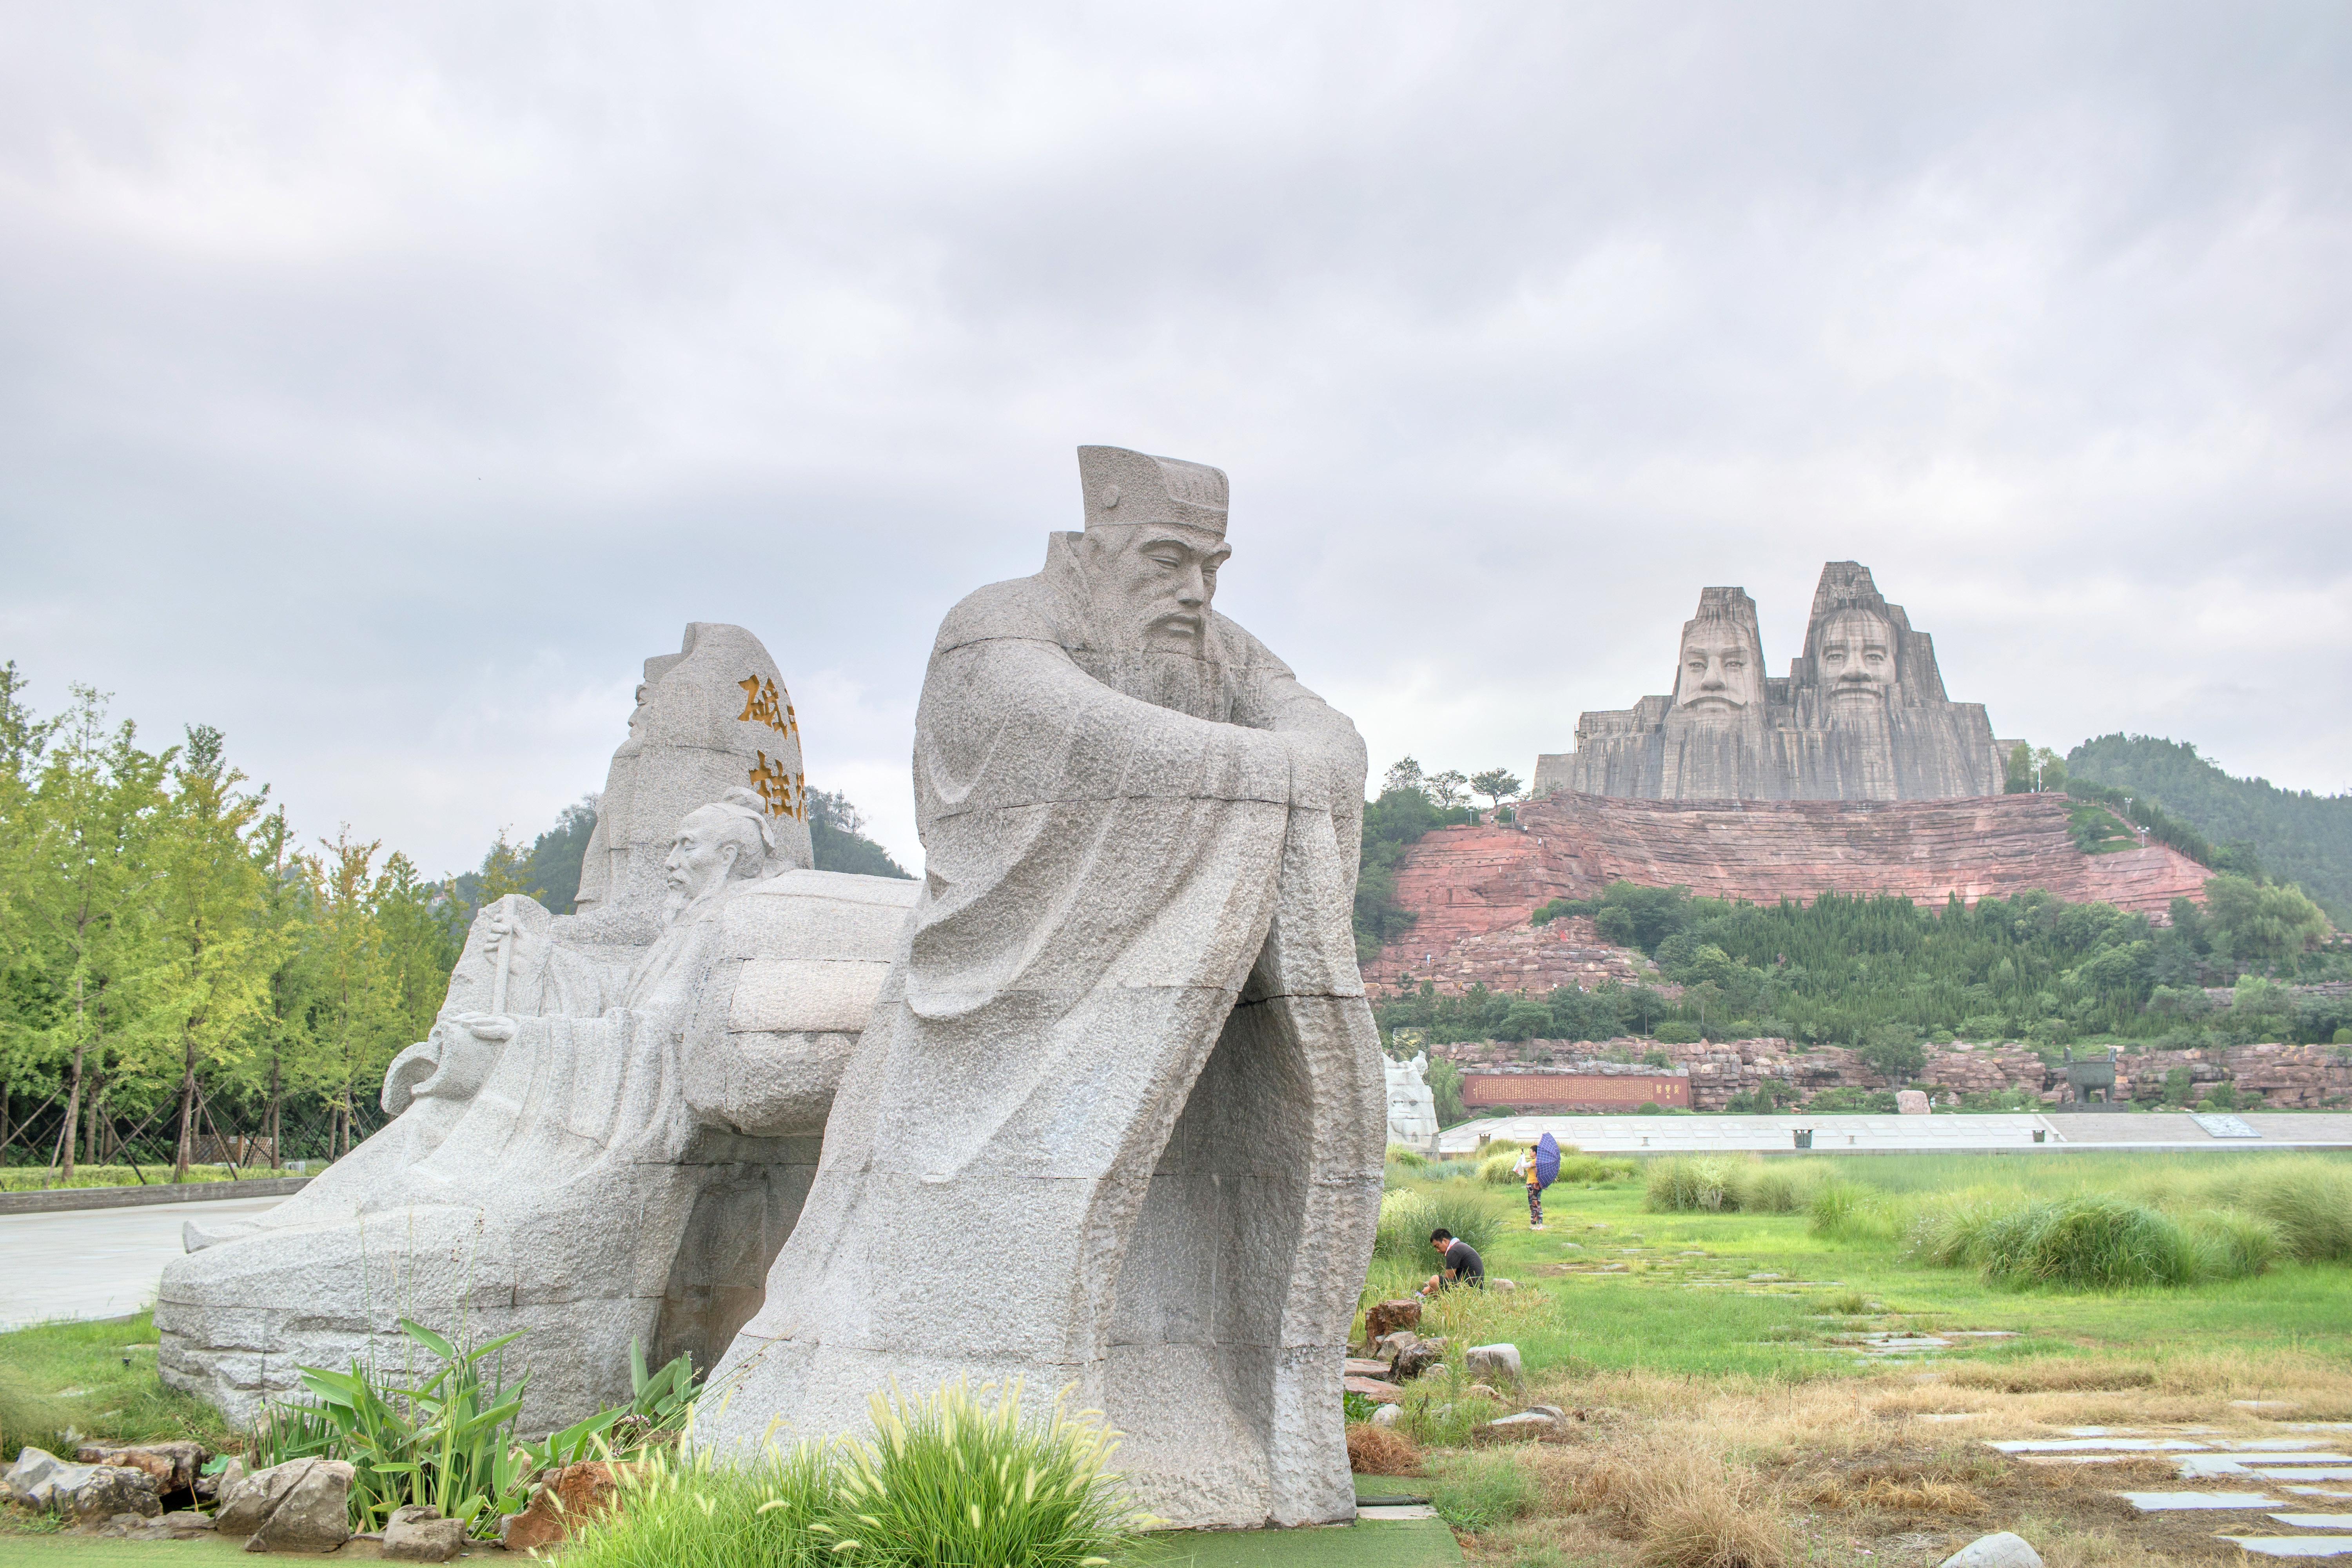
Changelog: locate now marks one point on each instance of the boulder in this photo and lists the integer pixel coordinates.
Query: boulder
(1500, 1363)
(186, 1524)
(1369, 1387)
(173, 1465)
(574, 1495)
(1387, 1416)
(124, 1527)
(2005, 1550)
(92, 1494)
(1911, 1102)
(417, 1533)
(218, 1484)
(107, 1490)
(1363, 1366)
(302, 1505)
(33, 1479)
(1415, 1359)
(1383, 1318)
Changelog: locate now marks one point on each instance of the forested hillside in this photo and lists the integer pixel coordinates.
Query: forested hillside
(2298, 837)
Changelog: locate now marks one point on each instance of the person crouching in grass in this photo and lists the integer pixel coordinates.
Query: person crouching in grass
(1458, 1264)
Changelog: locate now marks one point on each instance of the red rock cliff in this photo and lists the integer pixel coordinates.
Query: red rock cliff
(1461, 882)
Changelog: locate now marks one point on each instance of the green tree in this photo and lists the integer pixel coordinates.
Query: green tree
(215, 977)
(358, 1002)
(280, 1045)
(2259, 925)
(1497, 784)
(88, 891)
(1893, 1052)
(2019, 772)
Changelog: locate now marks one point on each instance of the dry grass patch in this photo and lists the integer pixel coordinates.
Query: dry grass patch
(1381, 1451)
(2053, 1376)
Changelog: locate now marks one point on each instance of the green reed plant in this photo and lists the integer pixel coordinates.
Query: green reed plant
(959, 1477)
(1408, 1215)
(682, 1509)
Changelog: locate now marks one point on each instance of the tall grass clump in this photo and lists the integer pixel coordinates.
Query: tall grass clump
(959, 1479)
(1714, 1184)
(1407, 1217)
(2091, 1241)
(1847, 1211)
(688, 1512)
(2307, 1202)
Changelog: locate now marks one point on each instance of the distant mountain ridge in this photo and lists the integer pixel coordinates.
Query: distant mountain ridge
(2299, 837)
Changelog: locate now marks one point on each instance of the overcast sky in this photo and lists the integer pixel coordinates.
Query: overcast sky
(383, 384)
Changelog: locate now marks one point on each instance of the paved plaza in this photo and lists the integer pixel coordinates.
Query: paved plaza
(95, 1263)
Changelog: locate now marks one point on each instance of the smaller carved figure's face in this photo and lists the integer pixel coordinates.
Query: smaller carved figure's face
(1721, 672)
(1153, 582)
(1856, 651)
(701, 855)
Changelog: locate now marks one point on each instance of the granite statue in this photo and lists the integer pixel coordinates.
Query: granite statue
(1862, 714)
(1412, 1108)
(610, 1128)
(1118, 1120)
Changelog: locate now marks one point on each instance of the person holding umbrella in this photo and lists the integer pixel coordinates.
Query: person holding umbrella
(1539, 1167)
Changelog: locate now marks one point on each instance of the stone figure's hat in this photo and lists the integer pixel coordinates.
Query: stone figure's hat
(1123, 486)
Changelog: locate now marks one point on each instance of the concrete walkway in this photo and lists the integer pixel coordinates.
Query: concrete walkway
(95, 1263)
(2022, 1131)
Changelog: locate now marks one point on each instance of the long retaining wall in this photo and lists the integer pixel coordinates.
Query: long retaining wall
(56, 1200)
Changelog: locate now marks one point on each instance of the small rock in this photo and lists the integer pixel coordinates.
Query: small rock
(1415, 1359)
(123, 1526)
(186, 1522)
(1363, 1366)
(1499, 1361)
(1383, 1318)
(2005, 1550)
(307, 1510)
(247, 1500)
(417, 1533)
(1387, 1416)
(102, 1492)
(1369, 1387)
(217, 1486)
(1502, 1284)
(173, 1465)
(1554, 1410)
(33, 1479)
(589, 1491)
(1526, 1424)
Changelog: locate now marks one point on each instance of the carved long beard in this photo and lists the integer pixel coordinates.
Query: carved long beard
(1165, 677)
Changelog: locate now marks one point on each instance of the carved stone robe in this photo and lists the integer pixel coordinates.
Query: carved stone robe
(1119, 1118)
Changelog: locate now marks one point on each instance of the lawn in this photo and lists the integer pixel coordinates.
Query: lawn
(1725, 1412)
(93, 1379)
(1618, 1288)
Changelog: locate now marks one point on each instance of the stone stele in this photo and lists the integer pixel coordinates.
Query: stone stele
(1412, 1108)
(1117, 1125)
(1862, 714)
(609, 1133)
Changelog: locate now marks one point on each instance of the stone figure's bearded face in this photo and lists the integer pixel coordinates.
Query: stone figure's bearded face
(711, 846)
(1721, 673)
(1151, 583)
(1856, 655)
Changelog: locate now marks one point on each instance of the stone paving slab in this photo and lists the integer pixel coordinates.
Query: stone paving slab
(2166, 1502)
(2325, 1473)
(2094, 1446)
(2294, 1457)
(2295, 1545)
(2316, 1521)
(2318, 1491)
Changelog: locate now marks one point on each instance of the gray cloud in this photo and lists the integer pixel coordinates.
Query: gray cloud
(383, 387)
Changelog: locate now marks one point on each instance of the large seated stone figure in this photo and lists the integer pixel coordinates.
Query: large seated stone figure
(1118, 1120)
(1862, 714)
(603, 1138)
(1413, 1106)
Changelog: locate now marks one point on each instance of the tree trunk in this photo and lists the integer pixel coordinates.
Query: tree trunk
(187, 1107)
(73, 1093)
(276, 1146)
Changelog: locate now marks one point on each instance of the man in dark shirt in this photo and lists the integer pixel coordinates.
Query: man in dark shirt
(1459, 1263)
